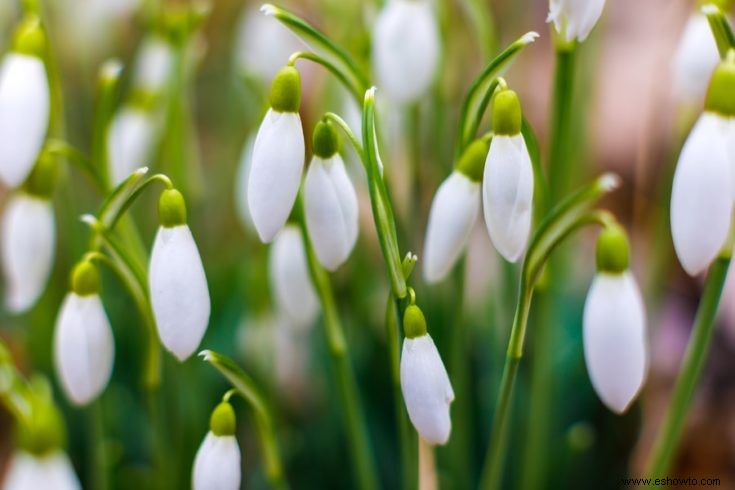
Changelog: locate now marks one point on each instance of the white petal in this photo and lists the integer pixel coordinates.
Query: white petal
(330, 205)
(83, 347)
(702, 195)
(29, 472)
(217, 464)
(24, 116)
(28, 242)
(406, 49)
(129, 141)
(695, 59)
(153, 64)
(179, 292)
(241, 185)
(615, 345)
(453, 213)
(275, 175)
(426, 389)
(507, 195)
(577, 17)
(291, 285)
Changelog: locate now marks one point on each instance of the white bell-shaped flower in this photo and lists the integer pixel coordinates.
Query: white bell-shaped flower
(241, 185)
(425, 384)
(24, 104)
(28, 240)
(291, 286)
(695, 59)
(153, 65)
(178, 285)
(507, 185)
(31, 472)
(130, 140)
(278, 157)
(575, 19)
(330, 201)
(84, 349)
(217, 462)
(406, 49)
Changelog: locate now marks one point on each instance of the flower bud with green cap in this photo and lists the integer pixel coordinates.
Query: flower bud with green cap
(720, 97)
(217, 462)
(414, 322)
(171, 208)
(507, 115)
(325, 141)
(222, 422)
(472, 162)
(85, 279)
(285, 93)
(29, 38)
(46, 432)
(613, 250)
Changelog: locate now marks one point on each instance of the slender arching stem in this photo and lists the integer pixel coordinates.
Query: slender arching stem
(721, 29)
(331, 116)
(354, 90)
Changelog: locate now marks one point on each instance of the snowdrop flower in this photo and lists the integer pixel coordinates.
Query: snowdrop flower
(278, 157)
(695, 59)
(217, 463)
(28, 471)
(153, 65)
(704, 182)
(24, 103)
(406, 49)
(178, 286)
(424, 380)
(130, 140)
(574, 19)
(330, 200)
(83, 343)
(507, 186)
(615, 345)
(290, 281)
(454, 212)
(241, 185)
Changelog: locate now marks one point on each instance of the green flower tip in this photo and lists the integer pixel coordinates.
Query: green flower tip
(285, 93)
(723, 5)
(414, 323)
(42, 180)
(171, 209)
(46, 432)
(222, 421)
(29, 38)
(721, 92)
(507, 113)
(143, 100)
(85, 279)
(325, 139)
(472, 161)
(613, 250)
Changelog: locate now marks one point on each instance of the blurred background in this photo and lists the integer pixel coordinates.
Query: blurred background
(630, 118)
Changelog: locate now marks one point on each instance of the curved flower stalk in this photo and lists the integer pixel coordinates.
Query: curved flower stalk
(291, 286)
(84, 349)
(178, 285)
(217, 462)
(508, 184)
(278, 157)
(406, 49)
(454, 212)
(25, 103)
(575, 19)
(330, 200)
(704, 182)
(694, 60)
(424, 380)
(615, 343)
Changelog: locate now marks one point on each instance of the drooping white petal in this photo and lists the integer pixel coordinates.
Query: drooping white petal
(130, 140)
(453, 213)
(702, 194)
(615, 344)
(24, 115)
(28, 239)
(217, 464)
(275, 174)
(29, 472)
(406, 49)
(426, 389)
(84, 349)
(507, 195)
(576, 18)
(695, 59)
(330, 205)
(241, 184)
(291, 285)
(153, 64)
(179, 291)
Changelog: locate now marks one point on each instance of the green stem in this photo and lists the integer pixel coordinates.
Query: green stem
(355, 90)
(721, 29)
(560, 163)
(107, 91)
(97, 449)
(667, 440)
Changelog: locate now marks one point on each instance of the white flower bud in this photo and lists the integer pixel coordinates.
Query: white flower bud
(426, 389)
(130, 141)
(217, 464)
(83, 347)
(452, 216)
(695, 59)
(615, 345)
(575, 18)
(290, 281)
(24, 115)
(406, 48)
(153, 65)
(702, 194)
(507, 195)
(330, 207)
(179, 292)
(30, 472)
(28, 241)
